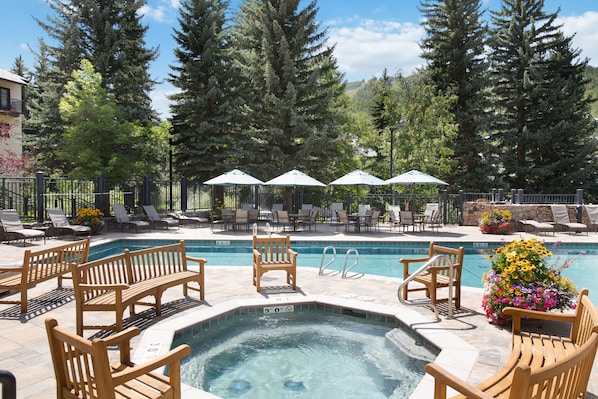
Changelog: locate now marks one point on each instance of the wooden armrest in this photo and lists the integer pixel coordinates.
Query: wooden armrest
(292, 253)
(413, 260)
(444, 378)
(15, 269)
(518, 314)
(172, 357)
(92, 287)
(200, 261)
(407, 261)
(123, 336)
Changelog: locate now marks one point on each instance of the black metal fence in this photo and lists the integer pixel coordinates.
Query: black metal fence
(30, 196)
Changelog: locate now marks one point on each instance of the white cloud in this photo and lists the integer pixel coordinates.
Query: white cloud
(365, 50)
(586, 34)
(160, 101)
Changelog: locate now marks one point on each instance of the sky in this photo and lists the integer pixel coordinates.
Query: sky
(369, 35)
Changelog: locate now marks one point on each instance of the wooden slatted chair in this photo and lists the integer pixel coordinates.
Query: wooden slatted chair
(274, 253)
(83, 370)
(436, 276)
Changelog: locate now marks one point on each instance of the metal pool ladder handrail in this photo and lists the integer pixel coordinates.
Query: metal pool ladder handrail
(324, 266)
(346, 269)
(421, 270)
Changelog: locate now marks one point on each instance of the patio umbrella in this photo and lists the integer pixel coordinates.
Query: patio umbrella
(234, 177)
(294, 178)
(358, 178)
(415, 177)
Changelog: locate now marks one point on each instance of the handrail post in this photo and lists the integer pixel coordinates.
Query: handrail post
(421, 270)
(9, 385)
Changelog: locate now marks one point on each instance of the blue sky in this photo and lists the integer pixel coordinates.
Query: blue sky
(370, 35)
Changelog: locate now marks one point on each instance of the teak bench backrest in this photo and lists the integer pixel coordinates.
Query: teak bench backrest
(151, 262)
(130, 267)
(48, 263)
(41, 265)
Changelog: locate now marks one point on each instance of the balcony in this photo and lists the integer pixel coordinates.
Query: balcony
(12, 107)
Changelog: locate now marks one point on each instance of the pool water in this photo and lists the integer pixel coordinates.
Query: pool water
(310, 354)
(374, 258)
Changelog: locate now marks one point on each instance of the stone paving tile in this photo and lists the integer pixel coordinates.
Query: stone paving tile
(23, 340)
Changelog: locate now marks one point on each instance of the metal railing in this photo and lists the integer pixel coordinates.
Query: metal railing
(421, 270)
(30, 196)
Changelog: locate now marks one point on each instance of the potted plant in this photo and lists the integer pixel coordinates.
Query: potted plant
(92, 217)
(496, 221)
(521, 277)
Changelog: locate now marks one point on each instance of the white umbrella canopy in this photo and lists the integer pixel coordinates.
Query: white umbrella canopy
(415, 177)
(234, 177)
(358, 178)
(295, 178)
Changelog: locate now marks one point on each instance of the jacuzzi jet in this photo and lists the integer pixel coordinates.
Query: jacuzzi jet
(295, 386)
(239, 387)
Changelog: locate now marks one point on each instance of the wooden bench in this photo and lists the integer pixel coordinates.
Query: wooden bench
(437, 274)
(541, 366)
(83, 370)
(118, 282)
(274, 253)
(41, 265)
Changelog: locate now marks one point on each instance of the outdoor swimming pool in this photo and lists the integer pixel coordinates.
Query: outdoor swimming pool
(374, 258)
(304, 351)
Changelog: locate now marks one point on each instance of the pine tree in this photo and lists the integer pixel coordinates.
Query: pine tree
(543, 128)
(109, 34)
(291, 86)
(202, 113)
(454, 47)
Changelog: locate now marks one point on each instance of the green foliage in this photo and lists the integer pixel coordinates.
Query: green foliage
(98, 140)
(111, 37)
(420, 122)
(290, 86)
(544, 131)
(454, 47)
(206, 109)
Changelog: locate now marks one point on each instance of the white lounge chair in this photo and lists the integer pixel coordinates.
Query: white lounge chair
(61, 223)
(14, 229)
(155, 219)
(122, 219)
(560, 214)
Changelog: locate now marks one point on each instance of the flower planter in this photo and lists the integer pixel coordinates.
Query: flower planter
(522, 277)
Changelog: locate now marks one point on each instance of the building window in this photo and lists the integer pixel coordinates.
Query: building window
(4, 98)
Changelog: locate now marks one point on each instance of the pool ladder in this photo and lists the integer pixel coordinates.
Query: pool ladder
(346, 269)
(422, 270)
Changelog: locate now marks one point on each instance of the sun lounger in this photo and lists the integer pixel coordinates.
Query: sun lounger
(155, 218)
(560, 213)
(13, 227)
(534, 226)
(61, 223)
(122, 219)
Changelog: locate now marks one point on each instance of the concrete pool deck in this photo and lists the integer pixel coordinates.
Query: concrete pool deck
(25, 349)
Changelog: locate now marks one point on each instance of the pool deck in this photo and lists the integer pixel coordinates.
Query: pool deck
(25, 349)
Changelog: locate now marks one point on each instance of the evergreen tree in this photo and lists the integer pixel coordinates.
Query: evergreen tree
(202, 112)
(290, 85)
(96, 131)
(454, 47)
(109, 34)
(543, 129)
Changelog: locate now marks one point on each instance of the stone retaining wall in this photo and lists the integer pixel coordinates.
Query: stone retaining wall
(538, 212)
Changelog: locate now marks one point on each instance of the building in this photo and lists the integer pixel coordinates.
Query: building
(12, 109)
